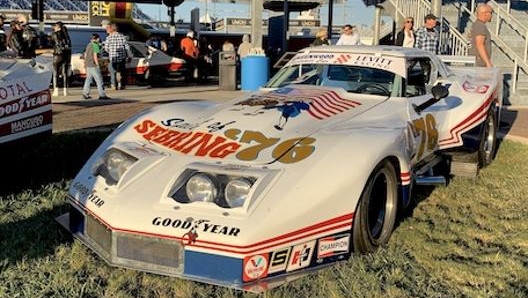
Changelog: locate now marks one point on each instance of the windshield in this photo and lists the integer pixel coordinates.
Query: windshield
(356, 79)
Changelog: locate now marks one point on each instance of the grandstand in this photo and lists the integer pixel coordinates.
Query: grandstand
(58, 6)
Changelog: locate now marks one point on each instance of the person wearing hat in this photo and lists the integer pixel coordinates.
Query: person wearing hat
(3, 36)
(190, 54)
(428, 37)
(92, 66)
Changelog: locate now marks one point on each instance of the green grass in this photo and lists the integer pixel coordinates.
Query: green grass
(469, 239)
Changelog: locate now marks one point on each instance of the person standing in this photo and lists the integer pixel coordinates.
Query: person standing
(119, 53)
(349, 37)
(481, 37)
(405, 37)
(190, 55)
(3, 36)
(30, 37)
(428, 36)
(92, 66)
(61, 44)
(244, 47)
(321, 38)
(15, 40)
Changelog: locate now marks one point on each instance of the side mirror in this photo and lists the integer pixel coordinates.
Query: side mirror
(439, 91)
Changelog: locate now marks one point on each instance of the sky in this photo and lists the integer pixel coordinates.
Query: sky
(348, 12)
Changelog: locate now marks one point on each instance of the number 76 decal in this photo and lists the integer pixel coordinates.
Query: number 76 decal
(426, 127)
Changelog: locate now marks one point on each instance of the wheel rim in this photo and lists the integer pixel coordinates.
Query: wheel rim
(380, 206)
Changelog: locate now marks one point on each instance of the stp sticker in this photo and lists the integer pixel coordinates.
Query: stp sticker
(334, 245)
(301, 256)
(255, 267)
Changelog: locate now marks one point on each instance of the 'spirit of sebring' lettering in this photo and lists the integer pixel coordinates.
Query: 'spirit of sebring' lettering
(203, 227)
(197, 143)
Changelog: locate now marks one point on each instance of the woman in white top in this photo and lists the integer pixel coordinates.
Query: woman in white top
(405, 37)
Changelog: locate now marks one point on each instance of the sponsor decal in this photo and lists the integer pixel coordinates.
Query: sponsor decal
(425, 128)
(200, 225)
(279, 260)
(301, 256)
(90, 195)
(373, 61)
(26, 124)
(313, 57)
(332, 246)
(95, 199)
(181, 123)
(24, 104)
(215, 146)
(255, 267)
(318, 103)
(17, 89)
(475, 88)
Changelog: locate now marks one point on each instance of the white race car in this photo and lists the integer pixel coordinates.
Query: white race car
(316, 165)
(147, 65)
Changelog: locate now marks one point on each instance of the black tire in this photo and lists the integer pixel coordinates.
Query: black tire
(488, 140)
(376, 212)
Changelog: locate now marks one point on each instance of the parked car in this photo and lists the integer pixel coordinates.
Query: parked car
(25, 99)
(148, 65)
(312, 167)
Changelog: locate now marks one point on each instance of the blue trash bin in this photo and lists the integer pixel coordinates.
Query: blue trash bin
(254, 73)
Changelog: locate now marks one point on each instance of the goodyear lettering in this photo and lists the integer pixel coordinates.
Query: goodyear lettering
(81, 188)
(98, 201)
(26, 124)
(187, 224)
(14, 90)
(26, 103)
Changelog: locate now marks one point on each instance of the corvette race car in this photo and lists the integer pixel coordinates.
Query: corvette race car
(147, 65)
(25, 99)
(314, 166)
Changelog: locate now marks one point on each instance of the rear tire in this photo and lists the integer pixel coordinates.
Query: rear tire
(488, 140)
(376, 212)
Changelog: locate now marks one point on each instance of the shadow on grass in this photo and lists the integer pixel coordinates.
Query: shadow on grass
(34, 162)
(33, 237)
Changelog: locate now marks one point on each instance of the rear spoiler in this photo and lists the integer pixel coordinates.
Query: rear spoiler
(457, 60)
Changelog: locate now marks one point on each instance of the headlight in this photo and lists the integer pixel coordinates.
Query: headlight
(201, 188)
(113, 164)
(236, 192)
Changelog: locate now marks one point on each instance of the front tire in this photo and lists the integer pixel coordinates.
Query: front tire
(488, 140)
(376, 212)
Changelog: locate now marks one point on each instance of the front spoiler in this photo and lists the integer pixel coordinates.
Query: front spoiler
(258, 286)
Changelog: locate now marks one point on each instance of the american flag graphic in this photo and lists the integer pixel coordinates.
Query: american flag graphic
(323, 103)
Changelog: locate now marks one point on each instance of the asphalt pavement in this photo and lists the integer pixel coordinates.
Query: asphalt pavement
(72, 112)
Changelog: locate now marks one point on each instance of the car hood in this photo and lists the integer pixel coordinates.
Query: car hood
(262, 127)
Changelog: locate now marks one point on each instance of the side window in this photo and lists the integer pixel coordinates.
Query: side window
(418, 74)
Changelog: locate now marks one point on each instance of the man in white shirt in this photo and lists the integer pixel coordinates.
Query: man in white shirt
(348, 37)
